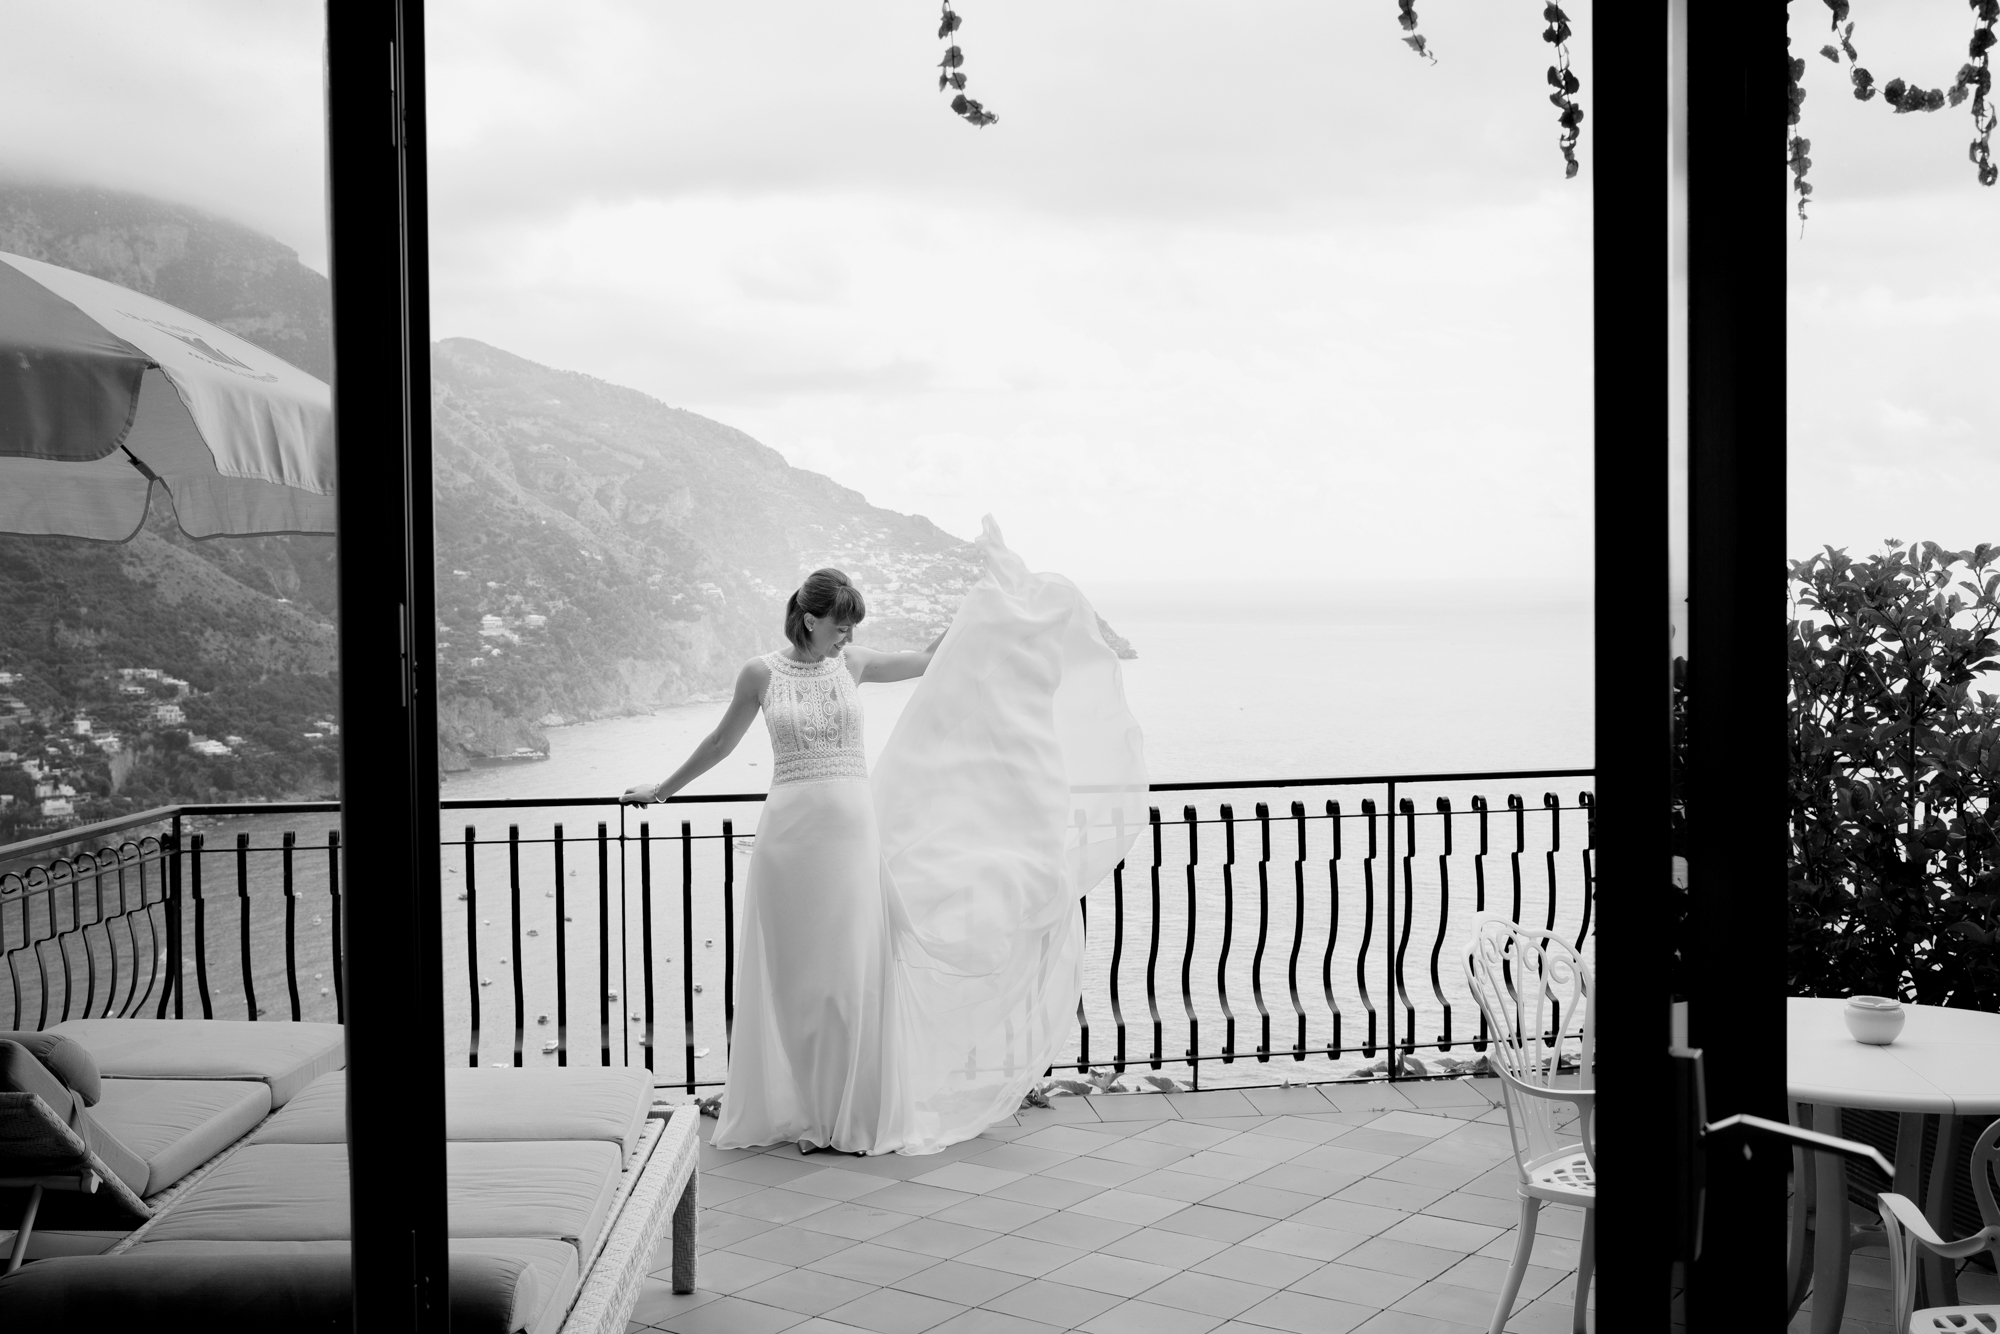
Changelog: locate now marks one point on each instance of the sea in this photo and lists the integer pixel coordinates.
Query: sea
(1281, 687)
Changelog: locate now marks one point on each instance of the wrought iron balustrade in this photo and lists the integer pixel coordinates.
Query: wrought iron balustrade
(1274, 929)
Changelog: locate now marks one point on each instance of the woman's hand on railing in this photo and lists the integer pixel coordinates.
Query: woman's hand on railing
(640, 794)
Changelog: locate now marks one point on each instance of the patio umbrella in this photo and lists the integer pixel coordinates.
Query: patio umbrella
(105, 392)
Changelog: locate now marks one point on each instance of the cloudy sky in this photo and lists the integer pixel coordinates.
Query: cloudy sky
(1232, 291)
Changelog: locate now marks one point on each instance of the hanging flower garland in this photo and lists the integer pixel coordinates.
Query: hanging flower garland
(952, 73)
(1565, 83)
(1974, 80)
(1407, 18)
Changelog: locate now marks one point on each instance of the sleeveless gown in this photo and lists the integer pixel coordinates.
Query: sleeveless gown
(911, 950)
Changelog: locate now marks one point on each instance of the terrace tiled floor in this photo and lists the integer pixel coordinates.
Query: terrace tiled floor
(1306, 1210)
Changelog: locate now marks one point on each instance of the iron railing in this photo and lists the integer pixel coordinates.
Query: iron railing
(1313, 934)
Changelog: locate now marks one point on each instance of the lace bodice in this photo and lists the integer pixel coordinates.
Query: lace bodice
(814, 714)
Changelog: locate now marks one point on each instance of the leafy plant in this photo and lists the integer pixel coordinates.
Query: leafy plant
(1974, 80)
(1407, 18)
(1564, 81)
(952, 72)
(1895, 763)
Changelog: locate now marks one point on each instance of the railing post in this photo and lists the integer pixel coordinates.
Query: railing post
(1390, 1051)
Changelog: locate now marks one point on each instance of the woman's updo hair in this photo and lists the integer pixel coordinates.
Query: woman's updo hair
(824, 593)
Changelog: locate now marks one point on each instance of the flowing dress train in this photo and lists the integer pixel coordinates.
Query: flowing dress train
(912, 948)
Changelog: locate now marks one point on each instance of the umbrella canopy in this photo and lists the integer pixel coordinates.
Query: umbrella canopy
(105, 392)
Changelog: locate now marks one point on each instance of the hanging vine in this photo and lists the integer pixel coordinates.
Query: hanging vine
(1974, 80)
(952, 73)
(1796, 147)
(1564, 81)
(1407, 18)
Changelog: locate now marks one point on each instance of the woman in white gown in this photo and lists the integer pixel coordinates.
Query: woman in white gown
(911, 949)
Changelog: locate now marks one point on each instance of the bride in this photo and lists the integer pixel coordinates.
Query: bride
(911, 948)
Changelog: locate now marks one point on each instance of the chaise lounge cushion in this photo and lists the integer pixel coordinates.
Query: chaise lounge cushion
(66, 1060)
(33, 1103)
(492, 1292)
(607, 1103)
(285, 1056)
(560, 1190)
(176, 1125)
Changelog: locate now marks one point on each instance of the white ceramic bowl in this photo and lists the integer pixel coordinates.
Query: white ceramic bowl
(1875, 1020)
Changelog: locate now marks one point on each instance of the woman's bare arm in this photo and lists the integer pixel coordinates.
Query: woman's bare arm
(711, 750)
(876, 666)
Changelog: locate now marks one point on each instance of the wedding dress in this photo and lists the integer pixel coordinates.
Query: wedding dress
(912, 947)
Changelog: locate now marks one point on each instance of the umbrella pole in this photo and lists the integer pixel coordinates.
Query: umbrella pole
(377, 225)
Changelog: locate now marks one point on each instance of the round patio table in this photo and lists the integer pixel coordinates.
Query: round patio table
(1945, 1063)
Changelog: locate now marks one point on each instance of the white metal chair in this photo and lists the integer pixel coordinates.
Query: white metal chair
(1536, 995)
(1908, 1230)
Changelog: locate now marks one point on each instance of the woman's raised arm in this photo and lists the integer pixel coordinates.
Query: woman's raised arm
(877, 666)
(711, 749)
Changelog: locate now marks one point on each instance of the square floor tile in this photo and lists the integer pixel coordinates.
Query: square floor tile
(1383, 1193)
(732, 1315)
(1101, 1171)
(1414, 1123)
(1483, 1273)
(993, 1215)
(776, 1205)
(1020, 1158)
(979, 1321)
(806, 1291)
(966, 1177)
(1255, 1264)
(1223, 1166)
(1168, 1184)
(1351, 1216)
(1140, 1152)
(1303, 1313)
(855, 1220)
(1445, 1093)
(1138, 1317)
(1292, 1237)
(790, 1245)
(1394, 1143)
(891, 1311)
(1048, 1191)
(716, 1190)
(1401, 1257)
(1445, 1301)
(1364, 1097)
(1317, 1182)
(1086, 1232)
(907, 1197)
(1111, 1273)
(1020, 1255)
(1280, 1101)
(1261, 1200)
(715, 1231)
(728, 1272)
(1218, 1102)
(1336, 1156)
(877, 1266)
(1175, 1250)
(1407, 1322)
(1187, 1134)
(1133, 1107)
(1307, 1129)
(1269, 1148)
(1470, 1208)
(763, 1169)
(1053, 1303)
(658, 1301)
(1061, 1139)
(1447, 1234)
(956, 1281)
(1357, 1286)
(834, 1183)
(1200, 1220)
(1127, 1206)
(931, 1236)
(1434, 1176)
(1210, 1294)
